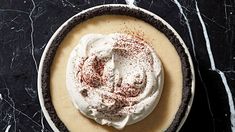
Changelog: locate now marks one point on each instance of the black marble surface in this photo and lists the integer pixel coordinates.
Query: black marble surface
(206, 26)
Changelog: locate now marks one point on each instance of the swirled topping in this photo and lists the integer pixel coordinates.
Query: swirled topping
(115, 79)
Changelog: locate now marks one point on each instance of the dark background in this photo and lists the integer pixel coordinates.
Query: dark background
(27, 25)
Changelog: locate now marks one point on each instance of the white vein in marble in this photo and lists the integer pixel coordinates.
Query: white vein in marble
(213, 67)
(196, 60)
(131, 2)
(11, 126)
(67, 3)
(42, 116)
(32, 33)
(8, 128)
(1, 97)
(32, 50)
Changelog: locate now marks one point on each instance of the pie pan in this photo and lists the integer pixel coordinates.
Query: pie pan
(115, 9)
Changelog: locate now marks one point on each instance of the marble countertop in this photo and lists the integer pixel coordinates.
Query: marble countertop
(206, 26)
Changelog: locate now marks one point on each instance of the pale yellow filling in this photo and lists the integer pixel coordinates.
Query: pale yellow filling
(164, 113)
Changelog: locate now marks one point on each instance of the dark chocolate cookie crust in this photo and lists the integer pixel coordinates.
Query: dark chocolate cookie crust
(116, 10)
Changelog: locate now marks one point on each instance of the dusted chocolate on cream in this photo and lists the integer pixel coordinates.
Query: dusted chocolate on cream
(115, 79)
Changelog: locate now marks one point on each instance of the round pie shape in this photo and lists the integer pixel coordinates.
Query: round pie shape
(179, 82)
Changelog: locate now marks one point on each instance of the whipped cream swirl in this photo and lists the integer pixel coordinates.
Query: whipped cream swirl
(115, 79)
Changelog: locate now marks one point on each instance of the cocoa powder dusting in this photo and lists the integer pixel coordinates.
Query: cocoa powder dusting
(91, 74)
(92, 71)
(127, 90)
(130, 46)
